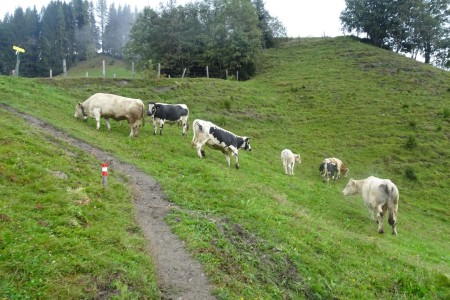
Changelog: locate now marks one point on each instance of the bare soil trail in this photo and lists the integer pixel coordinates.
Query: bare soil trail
(180, 276)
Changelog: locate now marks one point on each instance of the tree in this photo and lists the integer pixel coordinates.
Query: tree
(271, 28)
(54, 42)
(409, 26)
(102, 14)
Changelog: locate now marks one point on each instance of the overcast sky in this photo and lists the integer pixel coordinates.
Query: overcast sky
(302, 18)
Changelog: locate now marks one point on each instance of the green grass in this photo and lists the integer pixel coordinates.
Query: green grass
(62, 235)
(261, 234)
(93, 68)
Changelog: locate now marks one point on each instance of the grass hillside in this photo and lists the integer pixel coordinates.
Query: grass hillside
(259, 233)
(93, 68)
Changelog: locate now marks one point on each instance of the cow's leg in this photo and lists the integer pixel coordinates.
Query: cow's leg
(393, 219)
(234, 152)
(97, 116)
(292, 168)
(161, 126)
(199, 146)
(185, 126)
(227, 157)
(108, 125)
(134, 130)
(285, 168)
(380, 214)
(154, 125)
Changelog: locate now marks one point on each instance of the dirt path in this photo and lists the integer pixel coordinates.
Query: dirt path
(180, 276)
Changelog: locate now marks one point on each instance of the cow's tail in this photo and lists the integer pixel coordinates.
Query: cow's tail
(196, 127)
(394, 194)
(143, 114)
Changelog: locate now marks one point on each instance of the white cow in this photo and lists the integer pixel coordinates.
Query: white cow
(115, 107)
(288, 158)
(379, 195)
(207, 133)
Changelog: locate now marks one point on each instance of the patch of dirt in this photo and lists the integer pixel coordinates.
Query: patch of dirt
(180, 276)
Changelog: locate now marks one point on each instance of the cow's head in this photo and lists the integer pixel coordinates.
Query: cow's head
(351, 188)
(151, 108)
(246, 145)
(80, 112)
(298, 158)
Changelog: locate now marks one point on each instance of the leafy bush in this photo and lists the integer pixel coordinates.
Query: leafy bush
(410, 174)
(411, 143)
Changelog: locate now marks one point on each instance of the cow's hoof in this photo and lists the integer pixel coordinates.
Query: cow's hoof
(203, 153)
(237, 166)
(380, 231)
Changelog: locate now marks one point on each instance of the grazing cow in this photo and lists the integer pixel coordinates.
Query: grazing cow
(218, 138)
(379, 195)
(341, 168)
(171, 113)
(115, 107)
(288, 158)
(328, 170)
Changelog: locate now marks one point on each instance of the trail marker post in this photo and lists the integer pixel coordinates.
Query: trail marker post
(105, 174)
(18, 51)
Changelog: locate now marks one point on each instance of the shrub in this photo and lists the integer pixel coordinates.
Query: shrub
(410, 174)
(411, 142)
(226, 104)
(446, 113)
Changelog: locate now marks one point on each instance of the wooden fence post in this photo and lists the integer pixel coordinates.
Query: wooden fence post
(65, 68)
(104, 70)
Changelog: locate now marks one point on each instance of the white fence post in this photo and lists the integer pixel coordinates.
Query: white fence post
(65, 68)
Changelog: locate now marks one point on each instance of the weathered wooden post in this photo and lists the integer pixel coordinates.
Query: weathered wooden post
(159, 70)
(184, 72)
(51, 73)
(207, 72)
(132, 70)
(104, 70)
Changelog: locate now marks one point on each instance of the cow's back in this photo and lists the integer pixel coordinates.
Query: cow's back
(377, 190)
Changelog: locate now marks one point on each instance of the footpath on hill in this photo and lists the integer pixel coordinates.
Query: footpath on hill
(180, 276)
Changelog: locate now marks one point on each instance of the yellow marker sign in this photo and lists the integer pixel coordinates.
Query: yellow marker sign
(18, 49)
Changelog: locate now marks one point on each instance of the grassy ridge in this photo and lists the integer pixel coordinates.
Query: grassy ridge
(261, 234)
(58, 238)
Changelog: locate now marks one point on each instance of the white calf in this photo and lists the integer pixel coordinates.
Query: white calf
(288, 158)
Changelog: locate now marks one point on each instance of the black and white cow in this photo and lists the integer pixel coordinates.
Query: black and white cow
(171, 113)
(328, 170)
(218, 138)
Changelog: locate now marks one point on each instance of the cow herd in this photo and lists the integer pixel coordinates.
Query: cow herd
(379, 195)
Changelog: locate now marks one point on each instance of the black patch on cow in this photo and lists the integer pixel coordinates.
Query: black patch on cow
(228, 138)
(169, 112)
(384, 188)
(329, 168)
(322, 168)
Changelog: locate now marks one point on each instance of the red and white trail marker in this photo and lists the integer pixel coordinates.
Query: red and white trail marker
(105, 174)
